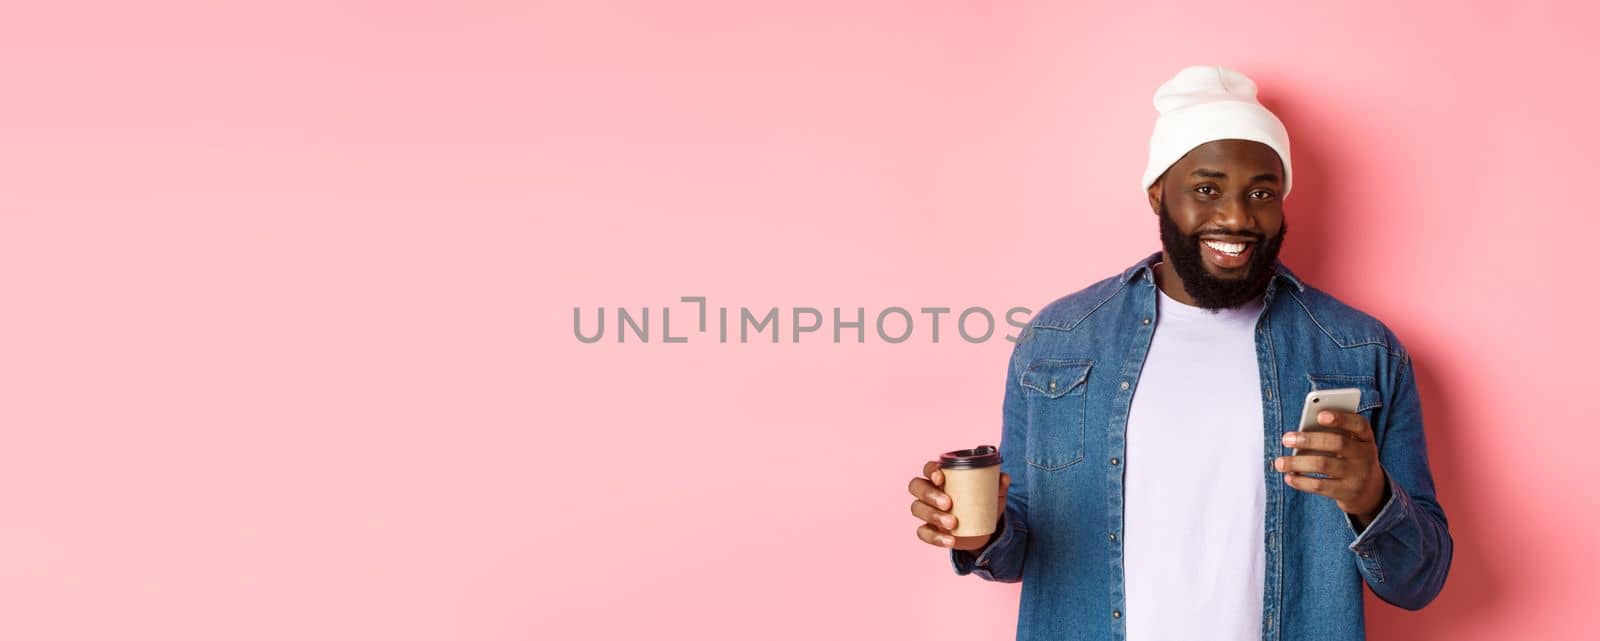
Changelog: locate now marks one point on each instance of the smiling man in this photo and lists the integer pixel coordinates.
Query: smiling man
(1150, 421)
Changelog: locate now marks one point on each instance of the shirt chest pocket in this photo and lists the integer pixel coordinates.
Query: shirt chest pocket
(1371, 403)
(1056, 392)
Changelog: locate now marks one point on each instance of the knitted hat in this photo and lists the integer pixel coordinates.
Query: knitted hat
(1205, 103)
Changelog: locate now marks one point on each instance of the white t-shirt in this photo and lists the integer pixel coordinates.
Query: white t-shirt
(1193, 549)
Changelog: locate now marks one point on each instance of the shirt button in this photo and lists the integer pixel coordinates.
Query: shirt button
(1124, 385)
(1147, 321)
(1116, 614)
(1114, 461)
(1052, 385)
(1113, 536)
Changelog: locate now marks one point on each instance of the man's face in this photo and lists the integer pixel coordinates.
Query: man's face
(1221, 220)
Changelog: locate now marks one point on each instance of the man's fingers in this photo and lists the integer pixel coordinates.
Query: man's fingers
(931, 470)
(1351, 422)
(1316, 441)
(1309, 463)
(932, 516)
(918, 486)
(926, 492)
(1308, 484)
(933, 536)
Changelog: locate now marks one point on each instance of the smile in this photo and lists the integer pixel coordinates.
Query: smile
(1231, 249)
(1227, 256)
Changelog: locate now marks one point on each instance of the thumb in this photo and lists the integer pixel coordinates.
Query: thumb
(1005, 483)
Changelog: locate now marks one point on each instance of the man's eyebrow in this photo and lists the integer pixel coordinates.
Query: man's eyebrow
(1271, 177)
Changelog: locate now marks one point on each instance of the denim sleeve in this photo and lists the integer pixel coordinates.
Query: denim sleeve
(1002, 559)
(1404, 553)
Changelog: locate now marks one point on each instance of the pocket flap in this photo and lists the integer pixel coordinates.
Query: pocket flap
(1367, 384)
(1055, 377)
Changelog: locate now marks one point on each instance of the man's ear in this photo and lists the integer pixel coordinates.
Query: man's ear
(1154, 192)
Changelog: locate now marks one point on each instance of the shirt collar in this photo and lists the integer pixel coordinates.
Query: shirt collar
(1142, 268)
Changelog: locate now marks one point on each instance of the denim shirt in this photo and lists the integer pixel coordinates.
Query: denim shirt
(1072, 376)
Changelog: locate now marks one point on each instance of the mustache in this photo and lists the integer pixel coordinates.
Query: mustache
(1254, 236)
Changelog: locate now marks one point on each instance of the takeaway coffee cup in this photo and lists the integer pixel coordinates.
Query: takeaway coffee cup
(972, 480)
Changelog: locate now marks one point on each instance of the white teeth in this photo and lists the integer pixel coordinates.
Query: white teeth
(1231, 249)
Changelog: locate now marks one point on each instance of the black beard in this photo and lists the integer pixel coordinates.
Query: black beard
(1209, 291)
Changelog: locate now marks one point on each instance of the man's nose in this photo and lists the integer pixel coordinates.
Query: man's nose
(1234, 213)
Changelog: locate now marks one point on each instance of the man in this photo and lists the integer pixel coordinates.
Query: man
(1150, 479)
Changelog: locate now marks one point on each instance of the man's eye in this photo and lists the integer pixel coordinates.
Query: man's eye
(1202, 189)
(1262, 194)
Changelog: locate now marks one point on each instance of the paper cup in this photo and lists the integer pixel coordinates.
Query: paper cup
(972, 480)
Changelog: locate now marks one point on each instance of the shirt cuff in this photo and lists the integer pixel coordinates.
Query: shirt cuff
(963, 561)
(1391, 514)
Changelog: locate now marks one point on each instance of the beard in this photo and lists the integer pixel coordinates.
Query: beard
(1208, 291)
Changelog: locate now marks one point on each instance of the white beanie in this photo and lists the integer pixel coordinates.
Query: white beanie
(1205, 103)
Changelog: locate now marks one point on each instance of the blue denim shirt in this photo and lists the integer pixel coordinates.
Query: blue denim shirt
(1072, 376)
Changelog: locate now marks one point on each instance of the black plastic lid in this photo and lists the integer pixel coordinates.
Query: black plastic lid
(980, 456)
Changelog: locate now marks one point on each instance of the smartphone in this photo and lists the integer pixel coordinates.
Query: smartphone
(1345, 399)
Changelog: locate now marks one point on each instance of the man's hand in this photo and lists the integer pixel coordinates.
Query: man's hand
(932, 505)
(1348, 456)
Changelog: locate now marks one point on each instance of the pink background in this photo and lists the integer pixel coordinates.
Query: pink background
(286, 348)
